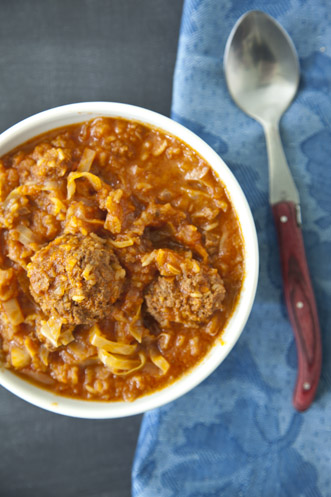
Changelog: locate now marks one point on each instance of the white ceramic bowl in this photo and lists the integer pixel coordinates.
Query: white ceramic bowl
(75, 113)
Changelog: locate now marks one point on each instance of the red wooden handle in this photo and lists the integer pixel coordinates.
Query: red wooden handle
(301, 305)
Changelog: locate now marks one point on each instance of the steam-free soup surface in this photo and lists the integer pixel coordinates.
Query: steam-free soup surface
(121, 259)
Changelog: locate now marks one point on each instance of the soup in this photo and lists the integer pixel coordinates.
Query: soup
(121, 259)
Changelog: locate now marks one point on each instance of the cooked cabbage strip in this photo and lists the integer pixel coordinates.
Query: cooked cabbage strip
(122, 243)
(159, 360)
(25, 235)
(148, 258)
(213, 326)
(103, 343)
(26, 190)
(195, 193)
(44, 355)
(66, 337)
(209, 227)
(166, 262)
(136, 332)
(13, 311)
(120, 365)
(19, 357)
(59, 208)
(86, 160)
(71, 185)
(93, 221)
(7, 285)
(31, 347)
(52, 331)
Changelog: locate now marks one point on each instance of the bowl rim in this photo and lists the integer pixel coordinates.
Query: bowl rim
(83, 111)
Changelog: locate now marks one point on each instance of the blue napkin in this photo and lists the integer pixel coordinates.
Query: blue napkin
(237, 433)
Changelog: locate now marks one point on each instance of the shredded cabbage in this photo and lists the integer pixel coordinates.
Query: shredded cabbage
(71, 185)
(19, 358)
(147, 259)
(209, 227)
(31, 347)
(86, 160)
(114, 355)
(120, 365)
(52, 331)
(13, 311)
(122, 243)
(136, 332)
(159, 360)
(44, 355)
(7, 289)
(101, 342)
(59, 208)
(28, 189)
(213, 326)
(25, 235)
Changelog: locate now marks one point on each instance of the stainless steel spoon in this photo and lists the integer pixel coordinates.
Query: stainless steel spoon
(262, 74)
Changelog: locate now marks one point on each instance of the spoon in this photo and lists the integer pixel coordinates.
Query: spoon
(262, 74)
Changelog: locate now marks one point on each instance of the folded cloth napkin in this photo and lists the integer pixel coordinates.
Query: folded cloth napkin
(237, 433)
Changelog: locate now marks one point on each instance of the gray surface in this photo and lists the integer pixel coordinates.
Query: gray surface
(53, 53)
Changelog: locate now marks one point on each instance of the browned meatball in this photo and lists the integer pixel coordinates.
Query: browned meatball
(189, 298)
(76, 278)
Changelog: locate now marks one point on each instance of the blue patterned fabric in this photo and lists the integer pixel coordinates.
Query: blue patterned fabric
(237, 433)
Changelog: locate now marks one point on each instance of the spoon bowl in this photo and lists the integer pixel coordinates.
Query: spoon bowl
(262, 68)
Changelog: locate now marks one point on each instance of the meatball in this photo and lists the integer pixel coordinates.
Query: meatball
(189, 298)
(76, 278)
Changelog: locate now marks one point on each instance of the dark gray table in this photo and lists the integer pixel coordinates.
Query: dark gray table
(54, 52)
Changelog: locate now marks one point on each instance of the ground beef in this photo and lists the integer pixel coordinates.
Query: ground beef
(76, 278)
(189, 298)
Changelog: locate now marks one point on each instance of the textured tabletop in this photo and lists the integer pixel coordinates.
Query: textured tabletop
(53, 53)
